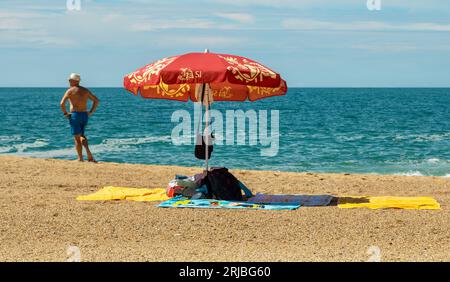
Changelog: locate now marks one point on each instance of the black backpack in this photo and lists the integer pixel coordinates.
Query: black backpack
(222, 185)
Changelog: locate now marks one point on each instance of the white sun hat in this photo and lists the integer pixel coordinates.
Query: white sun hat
(74, 76)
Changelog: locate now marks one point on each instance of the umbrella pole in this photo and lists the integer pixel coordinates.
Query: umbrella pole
(206, 122)
(206, 130)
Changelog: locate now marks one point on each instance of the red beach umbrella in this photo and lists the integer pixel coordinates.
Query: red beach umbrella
(227, 77)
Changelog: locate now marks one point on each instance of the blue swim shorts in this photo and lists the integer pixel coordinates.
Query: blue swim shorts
(78, 122)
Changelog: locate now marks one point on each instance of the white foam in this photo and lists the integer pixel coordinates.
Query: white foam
(424, 137)
(9, 138)
(433, 160)
(50, 154)
(22, 147)
(350, 138)
(410, 173)
(136, 141)
(107, 145)
(447, 175)
(36, 144)
(5, 149)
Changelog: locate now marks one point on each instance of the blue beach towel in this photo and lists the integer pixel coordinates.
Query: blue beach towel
(183, 202)
(303, 200)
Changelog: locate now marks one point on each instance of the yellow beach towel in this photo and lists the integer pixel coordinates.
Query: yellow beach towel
(386, 202)
(126, 193)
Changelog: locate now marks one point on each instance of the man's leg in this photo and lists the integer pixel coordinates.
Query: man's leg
(85, 143)
(78, 147)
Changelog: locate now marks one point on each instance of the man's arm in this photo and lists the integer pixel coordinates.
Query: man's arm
(63, 103)
(95, 102)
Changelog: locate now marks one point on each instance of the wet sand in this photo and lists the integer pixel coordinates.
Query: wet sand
(40, 217)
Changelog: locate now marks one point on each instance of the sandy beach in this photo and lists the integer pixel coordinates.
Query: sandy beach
(40, 217)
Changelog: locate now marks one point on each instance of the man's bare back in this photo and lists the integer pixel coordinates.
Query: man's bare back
(78, 97)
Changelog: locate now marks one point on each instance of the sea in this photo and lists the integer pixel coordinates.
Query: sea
(403, 131)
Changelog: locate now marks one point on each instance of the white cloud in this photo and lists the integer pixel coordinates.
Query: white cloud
(426, 27)
(122, 24)
(410, 5)
(10, 24)
(399, 47)
(202, 41)
(34, 24)
(28, 29)
(270, 3)
(389, 47)
(239, 17)
(16, 20)
(306, 24)
(152, 25)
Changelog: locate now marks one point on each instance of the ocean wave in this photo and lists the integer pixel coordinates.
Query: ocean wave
(447, 175)
(59, 153)
(106, 146)
(431, 166)
(136, 140)
(424, 137)
(433, 160)
(350, 138)
(410, 173)
(9, 138)
(126, 144)
(426, 161)
(22, 147)
(5, 149)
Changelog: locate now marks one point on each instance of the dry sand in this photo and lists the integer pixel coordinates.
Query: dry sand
(40, 218)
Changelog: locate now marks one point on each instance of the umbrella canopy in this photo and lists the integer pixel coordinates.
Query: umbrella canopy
(230, 78)
(221, 77)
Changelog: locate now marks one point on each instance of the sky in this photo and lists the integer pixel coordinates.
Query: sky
(312, 43)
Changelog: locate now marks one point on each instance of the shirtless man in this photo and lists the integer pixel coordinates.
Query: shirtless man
(78, 97)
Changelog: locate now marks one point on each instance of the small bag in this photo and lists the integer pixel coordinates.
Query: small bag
(200, 148)
(180, 184)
